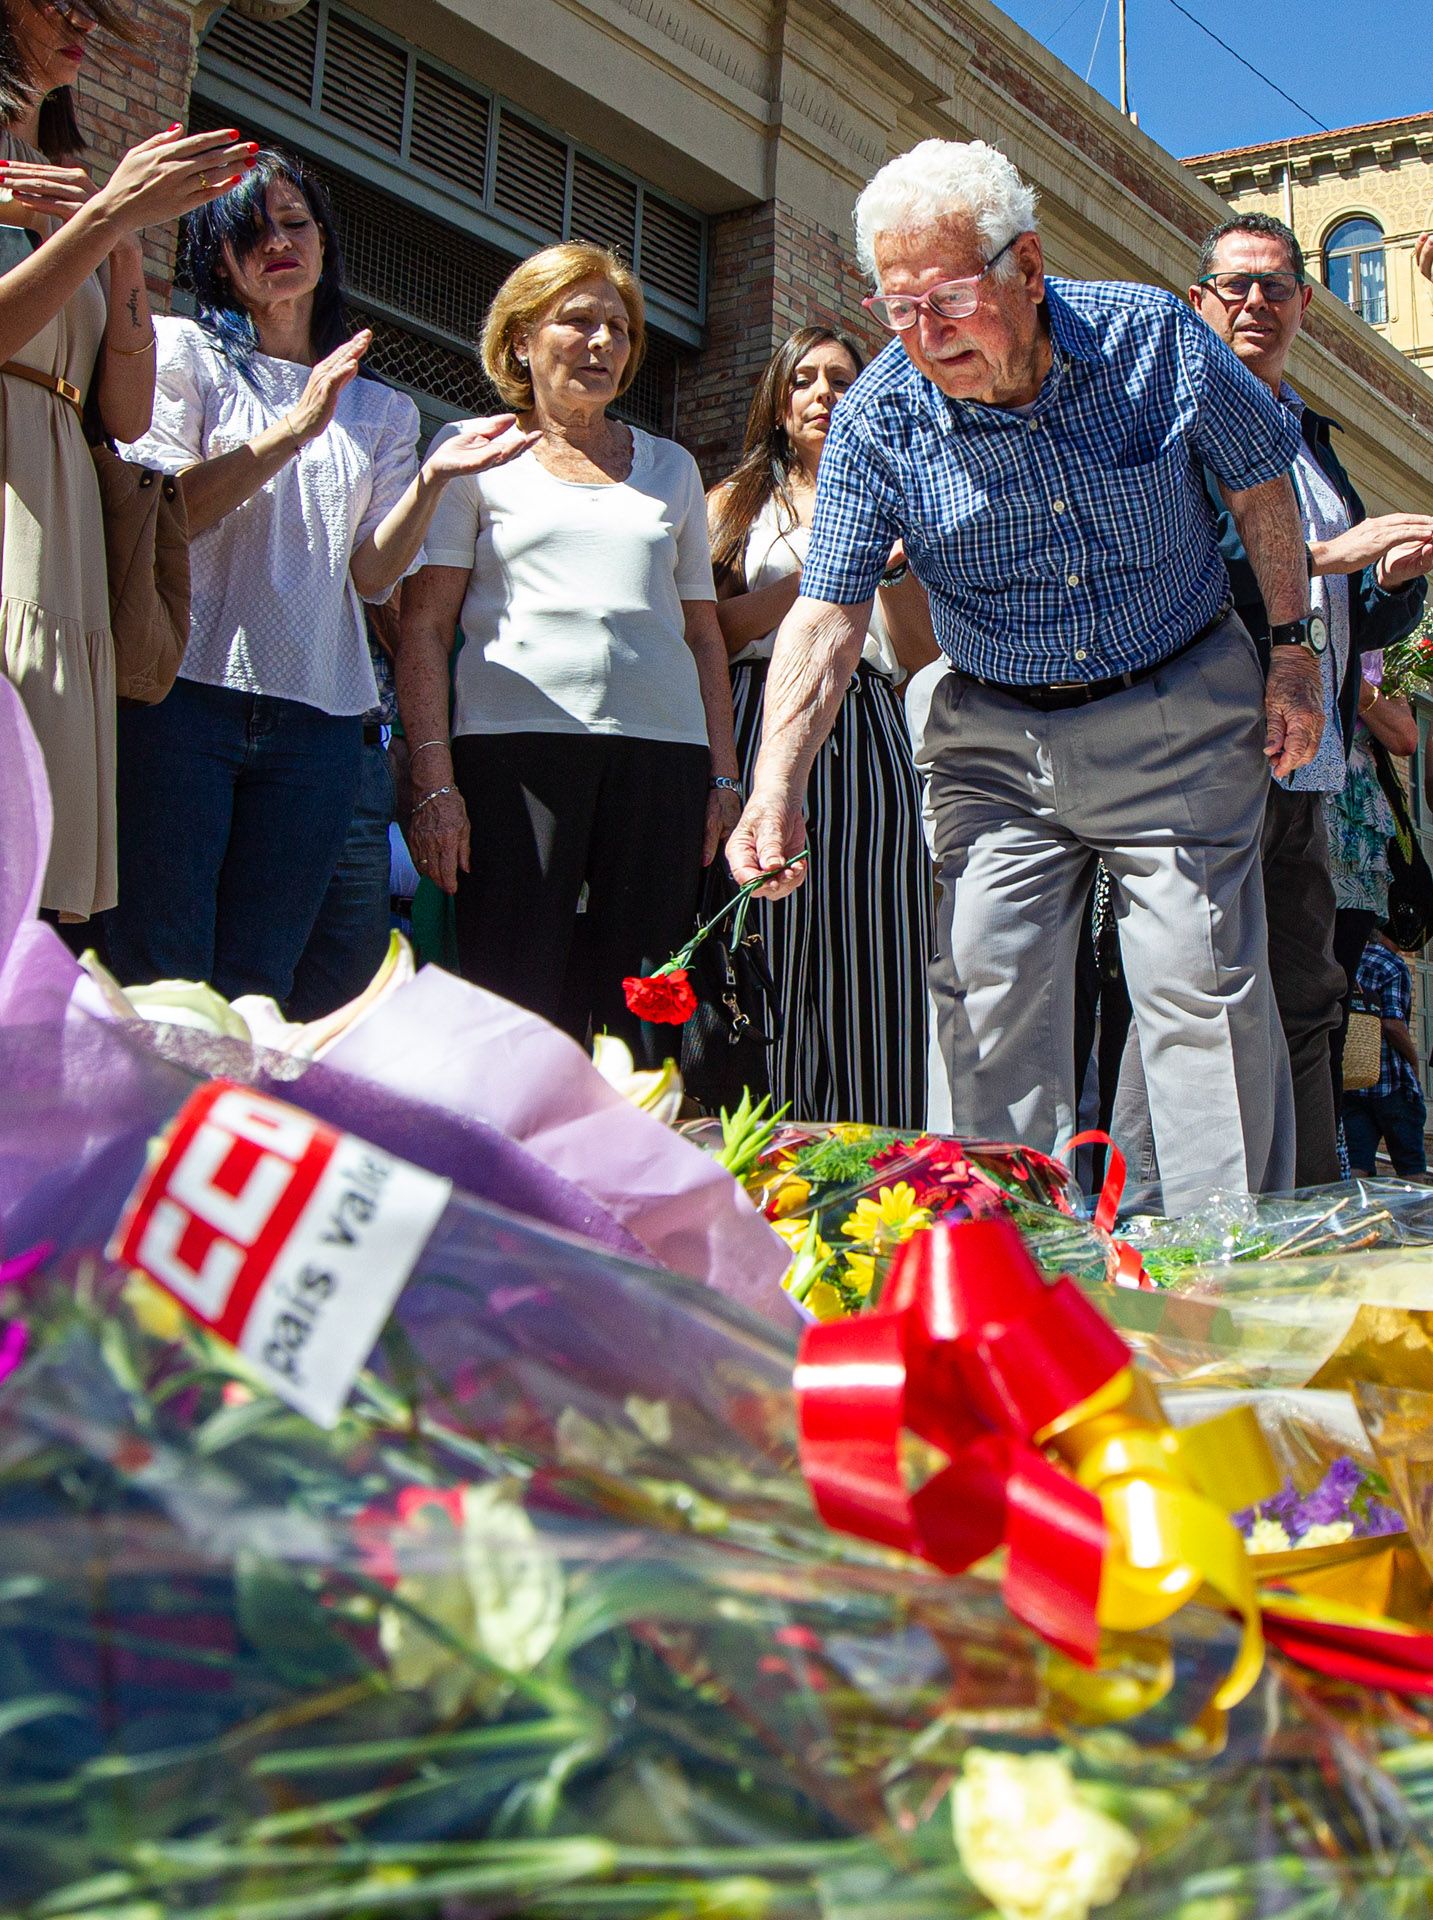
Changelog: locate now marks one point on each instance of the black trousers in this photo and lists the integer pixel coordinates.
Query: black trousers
(552, 814)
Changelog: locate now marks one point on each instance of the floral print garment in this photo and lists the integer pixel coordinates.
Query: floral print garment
(1360, 821)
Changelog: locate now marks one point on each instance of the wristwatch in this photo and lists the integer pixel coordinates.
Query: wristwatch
(1311, 633)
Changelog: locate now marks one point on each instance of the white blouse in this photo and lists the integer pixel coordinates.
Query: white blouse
(775, 548)
(573, 621)
(273, 607)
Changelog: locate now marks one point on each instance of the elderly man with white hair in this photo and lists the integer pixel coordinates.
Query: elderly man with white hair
(1039, 445)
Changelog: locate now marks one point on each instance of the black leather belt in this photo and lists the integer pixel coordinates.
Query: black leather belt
(1060, 694)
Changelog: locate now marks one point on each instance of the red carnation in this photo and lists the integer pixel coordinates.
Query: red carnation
(665, 997)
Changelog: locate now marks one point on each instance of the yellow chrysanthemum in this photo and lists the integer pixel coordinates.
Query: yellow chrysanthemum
(893, 1216)
(859, 1272)
(786, 1195)
(825, 1302)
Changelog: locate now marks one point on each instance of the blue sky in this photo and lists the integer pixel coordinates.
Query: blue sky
(1192, 97)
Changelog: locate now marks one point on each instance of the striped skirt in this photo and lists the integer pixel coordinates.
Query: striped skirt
(849, 948)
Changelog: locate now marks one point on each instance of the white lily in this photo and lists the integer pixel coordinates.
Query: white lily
(658, 1092)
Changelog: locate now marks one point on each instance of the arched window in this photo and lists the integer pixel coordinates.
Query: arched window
(1353, 268)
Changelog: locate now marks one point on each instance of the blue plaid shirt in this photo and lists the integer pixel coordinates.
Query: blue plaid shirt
(1072, 540)
(1383, 985)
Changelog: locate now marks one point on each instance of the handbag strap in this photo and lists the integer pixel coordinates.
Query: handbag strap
(1392, 792)
(51, 382)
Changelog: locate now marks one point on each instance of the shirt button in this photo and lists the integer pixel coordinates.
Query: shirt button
(1032, 425)
(1080, 653)
(1057, 506)
(1072, 579)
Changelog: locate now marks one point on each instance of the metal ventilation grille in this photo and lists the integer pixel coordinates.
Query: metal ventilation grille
(389, 100)
(405, 266)
(282, 51)
(449, 134)
(672, 245)
(604, 207)
(530, 179)
(364, 81)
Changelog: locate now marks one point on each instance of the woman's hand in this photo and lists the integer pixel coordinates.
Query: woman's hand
(723, 812)
(478, 445)
(313, 411)
(170, 174)
(439, 838)
(32, 187)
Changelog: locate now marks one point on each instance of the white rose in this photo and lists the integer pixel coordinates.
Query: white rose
(1031, 1841)
(1331, 1535)
(1267, 1536)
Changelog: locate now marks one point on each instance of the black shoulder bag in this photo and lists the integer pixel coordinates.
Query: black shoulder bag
(1410, 884)
(726, 1045)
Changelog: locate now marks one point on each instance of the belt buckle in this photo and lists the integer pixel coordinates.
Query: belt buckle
(67, 392)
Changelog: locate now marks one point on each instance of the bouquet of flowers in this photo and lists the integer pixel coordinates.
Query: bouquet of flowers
(543, 1622)
(845, 1198)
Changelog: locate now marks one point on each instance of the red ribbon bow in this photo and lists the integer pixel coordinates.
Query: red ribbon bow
(972, 1351)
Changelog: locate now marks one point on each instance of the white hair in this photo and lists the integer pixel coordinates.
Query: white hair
(939, 178)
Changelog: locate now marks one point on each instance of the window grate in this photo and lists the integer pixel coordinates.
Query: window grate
(530, 179)
(672, 246)
(450, 130)
(364, 82)
(283, 51)
(604, 207)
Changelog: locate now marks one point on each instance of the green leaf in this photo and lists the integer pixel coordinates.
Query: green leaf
(39, 1706)
(280, 1614)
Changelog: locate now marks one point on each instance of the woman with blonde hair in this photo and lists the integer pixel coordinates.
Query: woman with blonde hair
(588, 771)
(849, 950)
(75, 330)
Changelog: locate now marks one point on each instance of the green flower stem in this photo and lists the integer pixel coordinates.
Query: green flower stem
(556, 1731)
(683, 958)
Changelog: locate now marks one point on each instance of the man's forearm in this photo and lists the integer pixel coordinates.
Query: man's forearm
(817, 648)
(1268, 521)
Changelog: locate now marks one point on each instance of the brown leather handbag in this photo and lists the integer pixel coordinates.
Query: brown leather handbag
(146, 539)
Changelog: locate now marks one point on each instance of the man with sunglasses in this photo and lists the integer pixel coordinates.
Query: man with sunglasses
(1367, 591)
(1040, 447)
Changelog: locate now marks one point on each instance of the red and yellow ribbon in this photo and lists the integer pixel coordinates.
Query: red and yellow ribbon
(1056, 1449)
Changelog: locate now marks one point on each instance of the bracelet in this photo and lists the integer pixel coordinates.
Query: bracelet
(720, 781)
(1377, 696)
(413, 752)
(896, 575)
(130, 353)
(436, 794)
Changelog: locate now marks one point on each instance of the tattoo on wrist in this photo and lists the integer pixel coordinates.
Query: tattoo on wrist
(133, 304)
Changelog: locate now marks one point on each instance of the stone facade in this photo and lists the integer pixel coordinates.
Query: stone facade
(1382, 172)
(767, 116)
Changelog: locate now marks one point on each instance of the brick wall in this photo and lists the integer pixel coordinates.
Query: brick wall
(127, 92)
(769, 273)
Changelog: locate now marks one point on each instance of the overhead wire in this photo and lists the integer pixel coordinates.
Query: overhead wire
(1099, 34)
(1298, 105)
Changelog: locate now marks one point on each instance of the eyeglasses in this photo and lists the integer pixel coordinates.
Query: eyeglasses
(1234, 288)
(951, 300)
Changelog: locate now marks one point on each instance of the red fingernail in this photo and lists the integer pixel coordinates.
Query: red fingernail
(178, 127)
(253, 146)
(229, 133)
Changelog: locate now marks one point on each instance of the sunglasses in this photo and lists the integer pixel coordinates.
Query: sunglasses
(1232, 288)
(951, 300)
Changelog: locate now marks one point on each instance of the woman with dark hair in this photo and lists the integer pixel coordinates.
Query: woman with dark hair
(305, 497)
(849, 950)
(74, 328)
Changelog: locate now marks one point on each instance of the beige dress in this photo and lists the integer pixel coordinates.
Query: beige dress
(55, 644)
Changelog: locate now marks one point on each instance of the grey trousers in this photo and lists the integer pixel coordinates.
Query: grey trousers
(1166, 781)
(1308, 987)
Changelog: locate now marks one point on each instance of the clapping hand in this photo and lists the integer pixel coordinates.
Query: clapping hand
(31, 187)
(478, 445)
(1408, 560)
(311, 413)
(1423, 255)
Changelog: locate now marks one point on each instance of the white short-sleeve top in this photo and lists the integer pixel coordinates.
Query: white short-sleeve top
(273, 607)
(775, 548)
(572, 621)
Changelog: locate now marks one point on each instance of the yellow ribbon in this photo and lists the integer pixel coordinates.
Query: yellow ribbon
(1167, 1494)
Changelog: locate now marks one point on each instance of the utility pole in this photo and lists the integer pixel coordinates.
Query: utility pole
(1124, 64)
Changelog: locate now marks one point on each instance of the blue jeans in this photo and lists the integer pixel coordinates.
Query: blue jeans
(350, 936)
(1397, 1117)
(232, 811)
